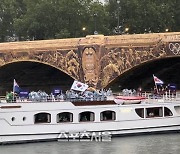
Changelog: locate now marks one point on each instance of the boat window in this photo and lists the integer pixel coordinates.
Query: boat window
(140, 112)
(107, 115)
(64, 117)
(13, 118)
(167, 112)
(24, 118)
(86, 116)
(42, 118)
(154, 112)
(177, 108)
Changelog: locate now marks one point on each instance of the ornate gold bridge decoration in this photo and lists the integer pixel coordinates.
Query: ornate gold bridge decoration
(96, 59)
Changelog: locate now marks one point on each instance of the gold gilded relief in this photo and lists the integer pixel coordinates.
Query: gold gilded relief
(109, 72)
(112, 65)
(119, 60)
(67, 61)
(2, 59)
(72, 64)
(90, 66)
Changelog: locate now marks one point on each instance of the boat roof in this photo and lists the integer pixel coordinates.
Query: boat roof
(130, 97)
(93, 103)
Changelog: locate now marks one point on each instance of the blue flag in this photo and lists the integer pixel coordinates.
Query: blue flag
(16, 88)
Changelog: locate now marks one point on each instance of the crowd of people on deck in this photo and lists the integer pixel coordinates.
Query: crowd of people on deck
(162, 90)
(156, 91)
(70, 95)
(129, 92)
(87, 95)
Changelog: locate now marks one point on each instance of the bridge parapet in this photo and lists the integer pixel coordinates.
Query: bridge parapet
(171, 37)
(39, 45)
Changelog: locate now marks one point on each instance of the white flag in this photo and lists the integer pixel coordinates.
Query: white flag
(79, 86)
(157, 80)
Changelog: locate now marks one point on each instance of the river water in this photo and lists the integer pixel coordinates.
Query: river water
(145, 144)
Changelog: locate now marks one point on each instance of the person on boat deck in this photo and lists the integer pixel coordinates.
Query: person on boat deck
(9, 97)
(140, 91)
(151, 114)
(52, 97)
(84, 118)
(155, 90)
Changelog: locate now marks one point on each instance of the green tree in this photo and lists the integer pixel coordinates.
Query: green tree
(49, 19)
(38, 21)
(142, 16)
(98, 19)
(45, 19)
(176, 14)
(6, 19)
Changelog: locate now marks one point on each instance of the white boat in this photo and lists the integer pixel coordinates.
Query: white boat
(129, 99)
(42, 121)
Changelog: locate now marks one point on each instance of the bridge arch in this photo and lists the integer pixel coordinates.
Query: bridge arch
(166, 68)
(118, 59)
(33, 75)
(36, 61)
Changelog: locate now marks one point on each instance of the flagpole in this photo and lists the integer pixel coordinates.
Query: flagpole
(155, 85)
(13, 91)
(157, 88)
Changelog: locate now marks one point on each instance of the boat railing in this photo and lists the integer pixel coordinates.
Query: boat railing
(150, 97)
(52, 99)
(162, 98)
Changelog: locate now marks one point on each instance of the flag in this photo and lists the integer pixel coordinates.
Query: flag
(16, 88)
(157, 81)
(23, 93)
(79, 86)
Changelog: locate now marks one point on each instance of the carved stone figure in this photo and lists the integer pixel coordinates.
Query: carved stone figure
(90, 66)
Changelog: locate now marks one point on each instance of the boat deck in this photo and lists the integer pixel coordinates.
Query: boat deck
(89, 103)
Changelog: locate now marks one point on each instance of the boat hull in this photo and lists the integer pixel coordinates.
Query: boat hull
(30, 138)
(127, 122)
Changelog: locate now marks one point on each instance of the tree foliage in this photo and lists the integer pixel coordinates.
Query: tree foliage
(49, 19)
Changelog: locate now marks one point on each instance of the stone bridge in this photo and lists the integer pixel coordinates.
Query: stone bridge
(96, 59)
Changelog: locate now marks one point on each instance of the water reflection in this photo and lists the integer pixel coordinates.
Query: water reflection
(148, 144)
